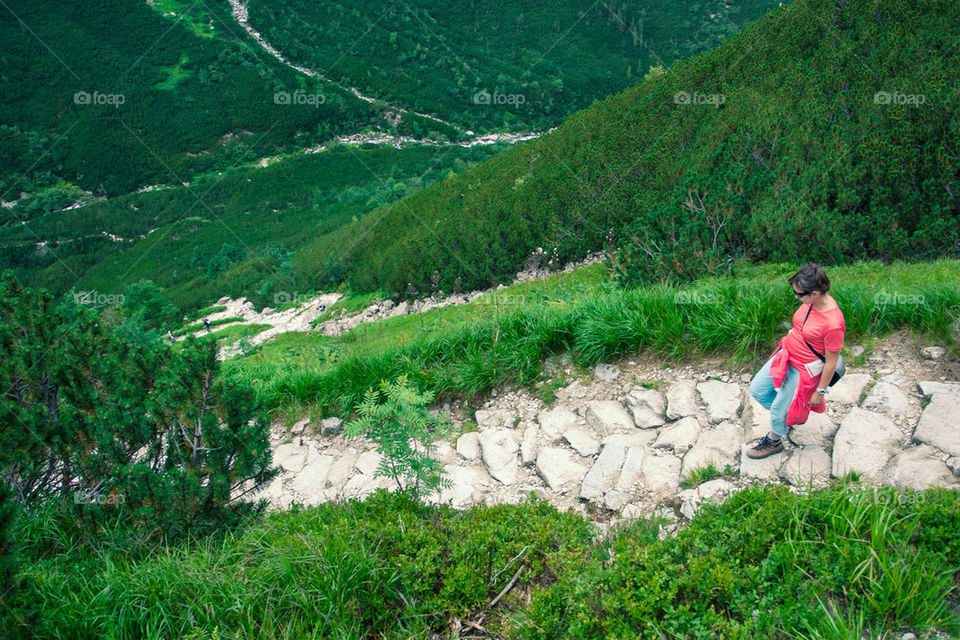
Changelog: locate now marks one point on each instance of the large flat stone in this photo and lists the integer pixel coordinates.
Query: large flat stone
(468, 445)
(555, 422)
(849, 388)
(886, 397)
(494, 419)
(529, 445)
(818, 430)
(917, 468)
(661, 474)
(647, 407)
(467, 484)
(582, 442)
(718, 446)
(499, 448)
(679, 436)
(763, 468)
(682, 400)
(604, 473)
(290, 457)
(560, 468)
(864, 444)
(313, 477)
(721, 399)
(930, 387)
(631, 473)
(608, 417)
(809, 464)
(939, 424)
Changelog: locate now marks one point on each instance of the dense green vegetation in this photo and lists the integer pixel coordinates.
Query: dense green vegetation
(824, 131)
(114, 96)
(521, 65)
(768, 564)
(250, 231)
(504, 337)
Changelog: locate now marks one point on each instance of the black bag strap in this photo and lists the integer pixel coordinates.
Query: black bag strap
(817, 353)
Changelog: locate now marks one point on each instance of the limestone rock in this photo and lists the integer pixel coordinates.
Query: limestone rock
(953, 463)
(661, 475)
(818, 430)
(498, 448)
(864, 444)
(718, 488)
(940, 423)
(718, 446)
(608, 417)
(682, 400)
(299, 426)
(917, 468)
(606, 372)
(331, 426)
(631, 474)
(638, 438)
(582, 442)
(848, 389)
(528, 446)
(493, 419)
(368, 462)
(930, 387)
(290, 457)
(313, 477)
(604, 473)
(555, 422)
(807, 464)
(341, 469)
(647, 407)
(560, 468)
(932, 353)
(679, 436)
(466, 485)
(616, 500)
(887, 398)
(764, 468)
(721, 399)
(468, 445)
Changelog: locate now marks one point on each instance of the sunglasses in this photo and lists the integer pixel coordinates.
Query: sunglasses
(800, 294)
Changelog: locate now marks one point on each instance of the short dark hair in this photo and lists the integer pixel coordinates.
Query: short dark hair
(811, 277)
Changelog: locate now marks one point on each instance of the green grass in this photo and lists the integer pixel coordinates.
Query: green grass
(843, 563)
(504, 337)
(702, 474)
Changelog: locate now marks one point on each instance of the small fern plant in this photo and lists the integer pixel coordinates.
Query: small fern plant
(396, 418)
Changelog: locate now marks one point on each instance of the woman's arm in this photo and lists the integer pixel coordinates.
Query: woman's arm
(826, 376)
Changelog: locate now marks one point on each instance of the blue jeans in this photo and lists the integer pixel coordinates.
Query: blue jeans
(777, 401)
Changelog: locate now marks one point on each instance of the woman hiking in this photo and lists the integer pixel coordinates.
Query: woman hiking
(794, 381)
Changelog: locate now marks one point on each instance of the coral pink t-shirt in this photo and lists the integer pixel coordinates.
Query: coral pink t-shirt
(823, 330)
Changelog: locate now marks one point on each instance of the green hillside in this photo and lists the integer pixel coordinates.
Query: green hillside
(115, 95)
(824, 131)
(516, 65)
(228, 233)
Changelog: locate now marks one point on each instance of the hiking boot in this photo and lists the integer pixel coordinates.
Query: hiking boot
(765, 447)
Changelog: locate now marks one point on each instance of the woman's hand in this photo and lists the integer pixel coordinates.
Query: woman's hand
(816, 399)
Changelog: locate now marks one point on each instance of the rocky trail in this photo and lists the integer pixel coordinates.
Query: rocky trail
(618, 442)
